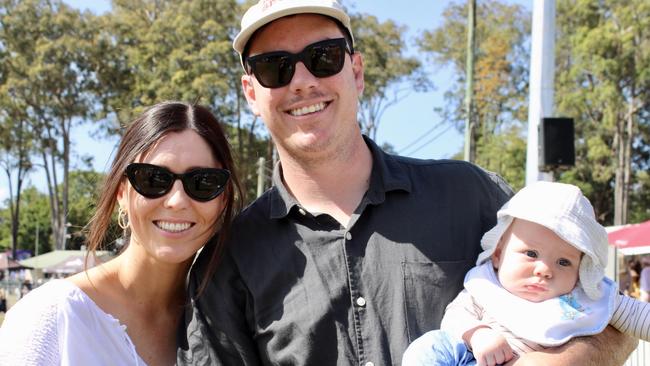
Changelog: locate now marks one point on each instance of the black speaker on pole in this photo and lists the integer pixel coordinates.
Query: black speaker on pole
(556, 143)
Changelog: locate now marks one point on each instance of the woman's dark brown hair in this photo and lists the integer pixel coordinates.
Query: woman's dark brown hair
(139, 137)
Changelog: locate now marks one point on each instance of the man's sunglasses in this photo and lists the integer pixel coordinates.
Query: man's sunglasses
(276, 69)
(153, 181)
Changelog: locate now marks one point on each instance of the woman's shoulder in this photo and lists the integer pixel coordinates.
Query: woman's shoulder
(41, 299)
(58, 319)
(30, 328)
(39, 307)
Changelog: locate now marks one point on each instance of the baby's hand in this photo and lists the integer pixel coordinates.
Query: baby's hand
(490, 347)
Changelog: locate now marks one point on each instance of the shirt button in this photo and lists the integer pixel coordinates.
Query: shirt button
(369, 364)
(302, 211)
(361, 302)
(348, 236)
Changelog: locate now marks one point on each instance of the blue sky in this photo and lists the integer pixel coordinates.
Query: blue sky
(401, 125)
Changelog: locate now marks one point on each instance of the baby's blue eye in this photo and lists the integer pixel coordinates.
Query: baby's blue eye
(564, 262)
(531, 253)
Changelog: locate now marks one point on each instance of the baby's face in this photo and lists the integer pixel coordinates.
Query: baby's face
(534, 263)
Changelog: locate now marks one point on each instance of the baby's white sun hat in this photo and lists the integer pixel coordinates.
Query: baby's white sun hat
(563, 209)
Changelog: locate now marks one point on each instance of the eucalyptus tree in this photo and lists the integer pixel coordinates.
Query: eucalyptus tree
(603, 79)
(15, 142)
(48, 74)
(35, 230)
(155, 50)
(165, 49)
(15, 147)
(500, 77)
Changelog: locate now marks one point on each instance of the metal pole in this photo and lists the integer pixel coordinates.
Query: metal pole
(470, 148)
(542, 69)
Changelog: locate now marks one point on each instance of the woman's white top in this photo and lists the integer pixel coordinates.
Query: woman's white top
(58, 324)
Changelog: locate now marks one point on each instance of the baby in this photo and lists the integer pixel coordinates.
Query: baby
(538, 283)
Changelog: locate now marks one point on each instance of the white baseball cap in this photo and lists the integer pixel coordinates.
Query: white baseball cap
(563, 209)
(266, 11)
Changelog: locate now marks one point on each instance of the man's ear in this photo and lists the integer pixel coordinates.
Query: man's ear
(249, 93)
(357, 69)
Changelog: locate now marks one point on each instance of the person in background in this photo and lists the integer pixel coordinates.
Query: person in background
(644, 280)
(25, 288)
(630, 283)
(539, 283)
(174, 183)
(353, 253)
(3, 300)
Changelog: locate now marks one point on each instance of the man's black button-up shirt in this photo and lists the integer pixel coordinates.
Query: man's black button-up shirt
(298, 288)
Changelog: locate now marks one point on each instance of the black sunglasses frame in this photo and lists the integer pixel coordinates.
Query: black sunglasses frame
(291, 59)
(186, 178)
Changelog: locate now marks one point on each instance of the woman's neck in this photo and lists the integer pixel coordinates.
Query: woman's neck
(147, 282)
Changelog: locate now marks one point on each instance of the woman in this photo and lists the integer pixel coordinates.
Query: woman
(174, 184)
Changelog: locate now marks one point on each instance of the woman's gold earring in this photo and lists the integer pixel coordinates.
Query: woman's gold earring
(122, 219)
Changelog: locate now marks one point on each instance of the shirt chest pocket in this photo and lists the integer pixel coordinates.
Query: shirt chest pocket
(428, 288)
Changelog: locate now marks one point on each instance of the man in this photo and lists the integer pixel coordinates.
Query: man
(353, 253)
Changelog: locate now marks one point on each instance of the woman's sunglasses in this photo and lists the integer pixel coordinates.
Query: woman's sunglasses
(153, 181)
(276, 69)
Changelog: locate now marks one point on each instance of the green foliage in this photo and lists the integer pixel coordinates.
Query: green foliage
(505, 153)
(84, 192)
(152, 50)
(640, 198)
(47, 69)
(60, 68)
(603, 80)
(500, 80)
(170, 50)
(48, 77)
(34, 218)
(84, 188)
(501, 63)
(16, 144)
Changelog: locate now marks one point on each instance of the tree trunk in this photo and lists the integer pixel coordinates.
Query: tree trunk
(15, 220)
(623, 148)
(619, 147)
(627, 174)
(14, 209)
(65, 127)
(22, 166)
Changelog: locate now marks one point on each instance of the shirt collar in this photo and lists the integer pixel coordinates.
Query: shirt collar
(388, 174)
